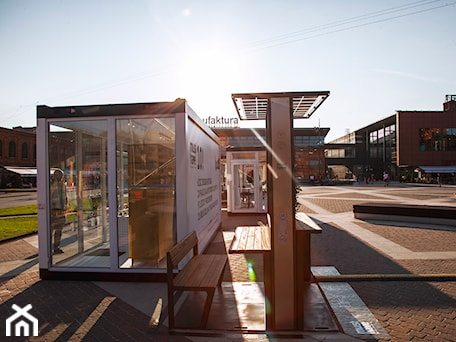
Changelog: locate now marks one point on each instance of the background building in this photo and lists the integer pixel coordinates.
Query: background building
(244, 166)
(17, 157)
(308, 144)
(409, 145)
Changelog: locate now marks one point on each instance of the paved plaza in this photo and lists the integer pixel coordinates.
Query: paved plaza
(406, 277)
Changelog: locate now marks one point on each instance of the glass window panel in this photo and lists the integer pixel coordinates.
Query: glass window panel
(78, 197)
(373, 137)
(449, 139)
(430, 139)
(24, 153)
(12, 149)
(146, 170)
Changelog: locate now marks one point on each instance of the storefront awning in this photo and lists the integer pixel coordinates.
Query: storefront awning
(438, 169)
(254, 106)
(23, 171)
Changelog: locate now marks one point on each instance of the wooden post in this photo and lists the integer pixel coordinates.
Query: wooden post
(281, 197)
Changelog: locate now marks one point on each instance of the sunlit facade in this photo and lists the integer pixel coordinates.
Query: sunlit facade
(408, 145)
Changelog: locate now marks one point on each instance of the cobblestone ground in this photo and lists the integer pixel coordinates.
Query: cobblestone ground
(17, 250)
(67, 310)
(408, 310)
(412, 310)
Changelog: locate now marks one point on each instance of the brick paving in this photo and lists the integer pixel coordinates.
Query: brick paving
(71, 310)
(412, 310)
(335, 205)
(408, 310)
(17, 250)
(415, 239)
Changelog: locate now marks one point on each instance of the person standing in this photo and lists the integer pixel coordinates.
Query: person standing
(59, 203)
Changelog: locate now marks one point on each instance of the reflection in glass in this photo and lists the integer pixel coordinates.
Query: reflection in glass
(243, 179)
(437, 139)
(78, 149)
(146, 170)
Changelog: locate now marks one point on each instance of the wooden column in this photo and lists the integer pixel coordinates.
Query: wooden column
(281, 197)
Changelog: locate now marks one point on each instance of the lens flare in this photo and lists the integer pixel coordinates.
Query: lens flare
(252, 275)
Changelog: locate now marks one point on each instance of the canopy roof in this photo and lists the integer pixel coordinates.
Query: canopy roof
(254, 106)
(439, 169)
(23, 171)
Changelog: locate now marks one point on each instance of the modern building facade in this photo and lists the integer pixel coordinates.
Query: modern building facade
(409, 146)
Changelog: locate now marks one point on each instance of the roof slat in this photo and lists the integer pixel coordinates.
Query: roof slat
(254, 106)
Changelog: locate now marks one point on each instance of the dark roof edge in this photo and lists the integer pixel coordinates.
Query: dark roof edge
(281, 94)
(178, 106)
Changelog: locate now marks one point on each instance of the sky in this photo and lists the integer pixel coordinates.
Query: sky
(375, 57)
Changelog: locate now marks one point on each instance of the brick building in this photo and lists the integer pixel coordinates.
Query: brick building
(409, 145)
(17, 156)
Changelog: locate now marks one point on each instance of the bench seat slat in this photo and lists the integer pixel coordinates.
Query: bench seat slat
(251, 239)
(202, 271)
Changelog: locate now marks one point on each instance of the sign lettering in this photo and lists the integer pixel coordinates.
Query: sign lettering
(221, 122)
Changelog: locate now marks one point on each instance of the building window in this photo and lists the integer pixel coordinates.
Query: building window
(373, 152)
(314, 163)
(373, 137)
(437, 139)
(1, 148)
(306, 141)
(335, 153)
(24, 151)
(340, 153)
(12, 149)
(350, 153)
(449, 139)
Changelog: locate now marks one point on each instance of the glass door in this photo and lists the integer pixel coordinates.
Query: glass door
(244, 184)
(247, 182)
(146, 170)
(78, 205)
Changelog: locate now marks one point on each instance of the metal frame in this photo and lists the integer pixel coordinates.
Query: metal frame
(254, 106)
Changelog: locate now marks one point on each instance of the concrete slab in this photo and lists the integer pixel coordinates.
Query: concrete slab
(353, 315)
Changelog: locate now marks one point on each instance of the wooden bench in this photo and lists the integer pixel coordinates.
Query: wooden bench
(201, 273)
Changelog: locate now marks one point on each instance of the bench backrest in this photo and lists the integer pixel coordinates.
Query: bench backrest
(179, 251)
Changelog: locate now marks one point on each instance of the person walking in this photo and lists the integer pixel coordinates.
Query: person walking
(59, 203)
(386, 178)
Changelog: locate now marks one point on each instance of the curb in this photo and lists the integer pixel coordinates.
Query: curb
(17, 237)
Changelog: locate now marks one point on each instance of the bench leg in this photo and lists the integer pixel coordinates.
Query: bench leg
(171, 308)
(207, 308)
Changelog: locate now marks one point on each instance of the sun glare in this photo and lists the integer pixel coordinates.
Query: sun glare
(209, 72)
